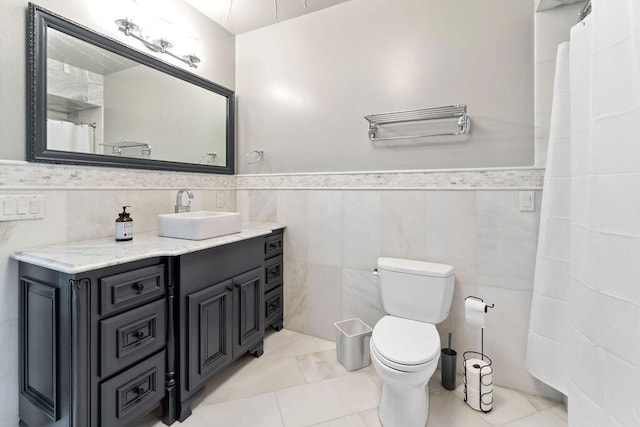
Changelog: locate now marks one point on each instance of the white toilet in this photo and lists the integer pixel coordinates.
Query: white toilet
(405, 345)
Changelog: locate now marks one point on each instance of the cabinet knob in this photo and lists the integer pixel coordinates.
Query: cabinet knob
(138, 335)
(139, 287)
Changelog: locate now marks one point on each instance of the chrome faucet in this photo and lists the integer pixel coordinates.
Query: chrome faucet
(179, 206)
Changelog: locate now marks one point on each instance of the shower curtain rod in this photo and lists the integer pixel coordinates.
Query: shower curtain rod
(76, 122)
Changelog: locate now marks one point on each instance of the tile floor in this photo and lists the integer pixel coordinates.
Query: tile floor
(298, 382)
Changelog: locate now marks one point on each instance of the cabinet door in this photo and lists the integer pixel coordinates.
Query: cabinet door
(248, 327)
(209, 343)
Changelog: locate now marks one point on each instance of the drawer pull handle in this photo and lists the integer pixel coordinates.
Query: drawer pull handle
(139, 390)
(138, 335)
(273, 273)
(139, 287)
(272, 306)
(229, 288)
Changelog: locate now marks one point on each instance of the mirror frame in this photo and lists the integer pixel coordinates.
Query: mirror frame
(39, 21)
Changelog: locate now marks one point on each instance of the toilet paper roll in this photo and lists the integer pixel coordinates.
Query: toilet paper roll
(478, 401)
(479, 384)
(479, 373)
(474, 311)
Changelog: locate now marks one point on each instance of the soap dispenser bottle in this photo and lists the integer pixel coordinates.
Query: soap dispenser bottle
(124, 226)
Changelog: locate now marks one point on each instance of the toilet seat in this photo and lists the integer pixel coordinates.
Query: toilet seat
(404, 344)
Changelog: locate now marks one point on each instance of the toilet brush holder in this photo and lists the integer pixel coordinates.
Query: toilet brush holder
(448, 358)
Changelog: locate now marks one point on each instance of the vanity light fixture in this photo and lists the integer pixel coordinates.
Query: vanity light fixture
(162, 45)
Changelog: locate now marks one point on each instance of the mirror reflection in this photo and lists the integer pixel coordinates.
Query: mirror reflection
(99, 102)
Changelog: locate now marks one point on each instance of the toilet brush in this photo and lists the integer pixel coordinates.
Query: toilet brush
(449, 366)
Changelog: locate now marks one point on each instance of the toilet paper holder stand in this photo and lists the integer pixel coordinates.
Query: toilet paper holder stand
(484, 370)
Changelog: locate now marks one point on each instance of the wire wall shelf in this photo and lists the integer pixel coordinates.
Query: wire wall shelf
(457, 112)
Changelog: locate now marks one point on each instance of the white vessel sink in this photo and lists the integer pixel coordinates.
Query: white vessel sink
(199, 225)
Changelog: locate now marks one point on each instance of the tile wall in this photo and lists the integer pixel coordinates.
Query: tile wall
(81, 203)
(337, 226)
(336, 233)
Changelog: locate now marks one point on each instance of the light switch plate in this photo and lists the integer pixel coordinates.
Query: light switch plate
(18, 207)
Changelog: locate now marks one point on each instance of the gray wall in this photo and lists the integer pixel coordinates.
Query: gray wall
(305, 84)
(181, 121)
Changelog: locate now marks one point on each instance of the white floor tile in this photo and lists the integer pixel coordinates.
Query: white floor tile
(560, 411)
(371, 418)
(299, 382)
(446, 409)
(541, 403)
(325, 344)
(320, 366)
(286, 343)
(261, 410)
(326, 400)
(349, 421)
(250, 376)
(371, 371)
(544, 418)
(508, 405)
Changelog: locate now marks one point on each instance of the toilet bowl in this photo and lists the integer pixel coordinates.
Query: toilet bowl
(405, 354)
(405, 344)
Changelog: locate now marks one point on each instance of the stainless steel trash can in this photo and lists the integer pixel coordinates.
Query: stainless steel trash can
(352, 343)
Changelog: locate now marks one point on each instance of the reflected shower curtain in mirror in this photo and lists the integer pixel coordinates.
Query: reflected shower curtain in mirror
(67, 136)
(603, 294)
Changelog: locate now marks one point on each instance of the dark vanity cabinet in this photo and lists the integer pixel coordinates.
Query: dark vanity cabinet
(104, 347)
(274, 283)
(221, 313)
(93, 346)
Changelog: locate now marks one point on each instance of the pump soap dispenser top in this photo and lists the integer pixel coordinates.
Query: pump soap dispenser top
(124, 226)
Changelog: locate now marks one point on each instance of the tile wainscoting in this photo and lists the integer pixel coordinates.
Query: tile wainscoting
(339, 224)
(335, 232)
(81, 203)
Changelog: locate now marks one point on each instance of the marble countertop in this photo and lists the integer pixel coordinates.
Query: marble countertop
(78, 257)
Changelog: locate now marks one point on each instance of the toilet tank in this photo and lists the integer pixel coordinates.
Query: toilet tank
(415, 290)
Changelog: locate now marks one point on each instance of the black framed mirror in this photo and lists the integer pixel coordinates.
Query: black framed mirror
(93, 100)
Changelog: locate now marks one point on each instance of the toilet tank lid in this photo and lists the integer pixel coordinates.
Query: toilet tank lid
(410, 266)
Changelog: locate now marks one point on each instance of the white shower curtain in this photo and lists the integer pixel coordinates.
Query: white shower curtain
(67, 136)
(603, 343)
(548, 346)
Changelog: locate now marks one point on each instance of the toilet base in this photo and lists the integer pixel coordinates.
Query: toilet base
(404, 407)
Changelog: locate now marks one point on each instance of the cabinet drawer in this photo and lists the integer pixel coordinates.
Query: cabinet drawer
(133, 393)
(273, 270)
(273, 305)
(272, 245)
(131, 288)
(129, 337)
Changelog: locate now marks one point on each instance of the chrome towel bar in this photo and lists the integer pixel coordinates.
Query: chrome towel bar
(458, 112)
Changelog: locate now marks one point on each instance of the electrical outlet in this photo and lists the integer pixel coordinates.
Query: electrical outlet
(220, 200)
(527, 201)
